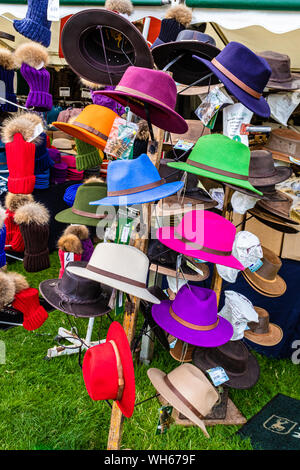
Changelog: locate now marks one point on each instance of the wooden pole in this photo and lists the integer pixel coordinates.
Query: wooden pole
(216, 284)
(130, 316)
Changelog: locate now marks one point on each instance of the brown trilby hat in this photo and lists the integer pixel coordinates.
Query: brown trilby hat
(266, 279)
(263, 172)
(239, 364)
(188, 390)
(281, 209)
(263, 332)
(273, 221)
(284, 143)
(281, 77)
(182, 352)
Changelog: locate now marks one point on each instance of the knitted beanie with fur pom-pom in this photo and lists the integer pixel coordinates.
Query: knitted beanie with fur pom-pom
(7, 290)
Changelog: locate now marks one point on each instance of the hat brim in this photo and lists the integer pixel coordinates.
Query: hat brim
(166, 235)
(117, 334)
(81, 134)
(68, 217)
(282, 157)
(212, 338)
(196, 277)
(48, 291)
(275, 212)
(84, 64)
(185, 70)
(258, 106)
(274, 289)
(156, 377)
(209, 174)
(142, 197)
(273, 337)
(163, 210)
(282, 173)
(160, 115)
(202, 360)
(291, 85)
(273, 197)
(273, 221)
(140, 292)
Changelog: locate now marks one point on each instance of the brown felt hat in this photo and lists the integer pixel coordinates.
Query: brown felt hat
(280, 209)
(266, 279)
(263, 172)
(273, 221)
(284, 143)
(182, 352)
(239, 364)
(263, 332)
(281, 77)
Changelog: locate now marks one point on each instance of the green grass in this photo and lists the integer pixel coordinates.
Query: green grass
(44, 404)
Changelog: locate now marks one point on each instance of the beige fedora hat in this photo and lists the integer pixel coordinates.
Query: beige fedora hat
(188, 390)
(64, 145)
(122, 267)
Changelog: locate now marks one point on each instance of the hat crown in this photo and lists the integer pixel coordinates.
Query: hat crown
(280, 65)
(121, 260)
(62, 144)
(154, 84)
(271, 265)
(219, 151)
(129, 174)
(77, 290)
(87, 193)
(262, 326)
(196, 305)
(203, 228)
(245, 65)
(232, 356)
(172, 175)
(194, 386)
(96, 117)
(283, 206)
(261, 164)
(192, 35)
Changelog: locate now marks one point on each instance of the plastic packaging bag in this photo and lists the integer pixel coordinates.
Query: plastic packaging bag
(211, 104)
(239, 311)
(121, 138)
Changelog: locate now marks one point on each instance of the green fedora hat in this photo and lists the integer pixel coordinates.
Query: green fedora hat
(81, 212)
(218, 157)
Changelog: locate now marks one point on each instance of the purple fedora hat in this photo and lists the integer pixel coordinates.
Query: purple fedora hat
(193, 317)
(244, 74)
(140, 86)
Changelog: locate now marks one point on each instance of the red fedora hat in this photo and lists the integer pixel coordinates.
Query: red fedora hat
(108, 370)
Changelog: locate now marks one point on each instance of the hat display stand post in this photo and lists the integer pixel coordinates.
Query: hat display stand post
(131, 310)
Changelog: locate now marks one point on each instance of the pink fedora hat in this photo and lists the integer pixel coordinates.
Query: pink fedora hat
(204, 235)
(139, 86)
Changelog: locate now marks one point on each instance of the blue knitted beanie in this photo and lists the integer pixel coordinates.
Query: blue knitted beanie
(42, 159)
(2, 246)
(35, 25)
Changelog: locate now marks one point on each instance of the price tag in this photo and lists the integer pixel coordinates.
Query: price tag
(217, 375)
(294, 160)
(2, 90)
(165, 419)
(85, 93)
(119, 302)
(64, 91)
(192, 266)
(173, 344)
(68, 257)
(183, 145)
(53, 10)
(37, 131)
(254, 267)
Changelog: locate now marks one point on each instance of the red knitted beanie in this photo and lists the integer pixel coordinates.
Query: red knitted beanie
(20, 161)
(27, 302)
(63, 261)
(13, 233)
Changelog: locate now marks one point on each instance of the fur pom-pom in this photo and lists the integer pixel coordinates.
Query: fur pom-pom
(91, 85)
(14, 201)
(32, 213)
(6, 59)
(19, 281)
(81, 231)
(181, 14)
(7, 290)
(143, 132)
(2, 216)
(23, 123)
(93, 179)
(70, 243)
(31, 53)
(121, 6)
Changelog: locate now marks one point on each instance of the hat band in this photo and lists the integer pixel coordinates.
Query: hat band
(121, 382)
(140, 94)
(192, 325)
(236, 80)
(194, 245)
(217, 170)
(90, 129)
(137, 189)
(87, 214)
(182, 398)
(117, 277)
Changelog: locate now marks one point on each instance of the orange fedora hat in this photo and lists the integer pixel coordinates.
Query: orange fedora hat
(92, 125)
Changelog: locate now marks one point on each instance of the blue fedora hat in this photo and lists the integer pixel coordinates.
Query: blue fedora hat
(135, 182)
(244, 74)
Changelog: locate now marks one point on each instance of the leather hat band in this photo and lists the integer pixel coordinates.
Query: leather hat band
(137, 189)
(195, 246)
(117, 277)
(182, 398)
(192, 326)
(216, 170)
(87, 214)
(121, 382)
(235, 80)
(90, 129)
